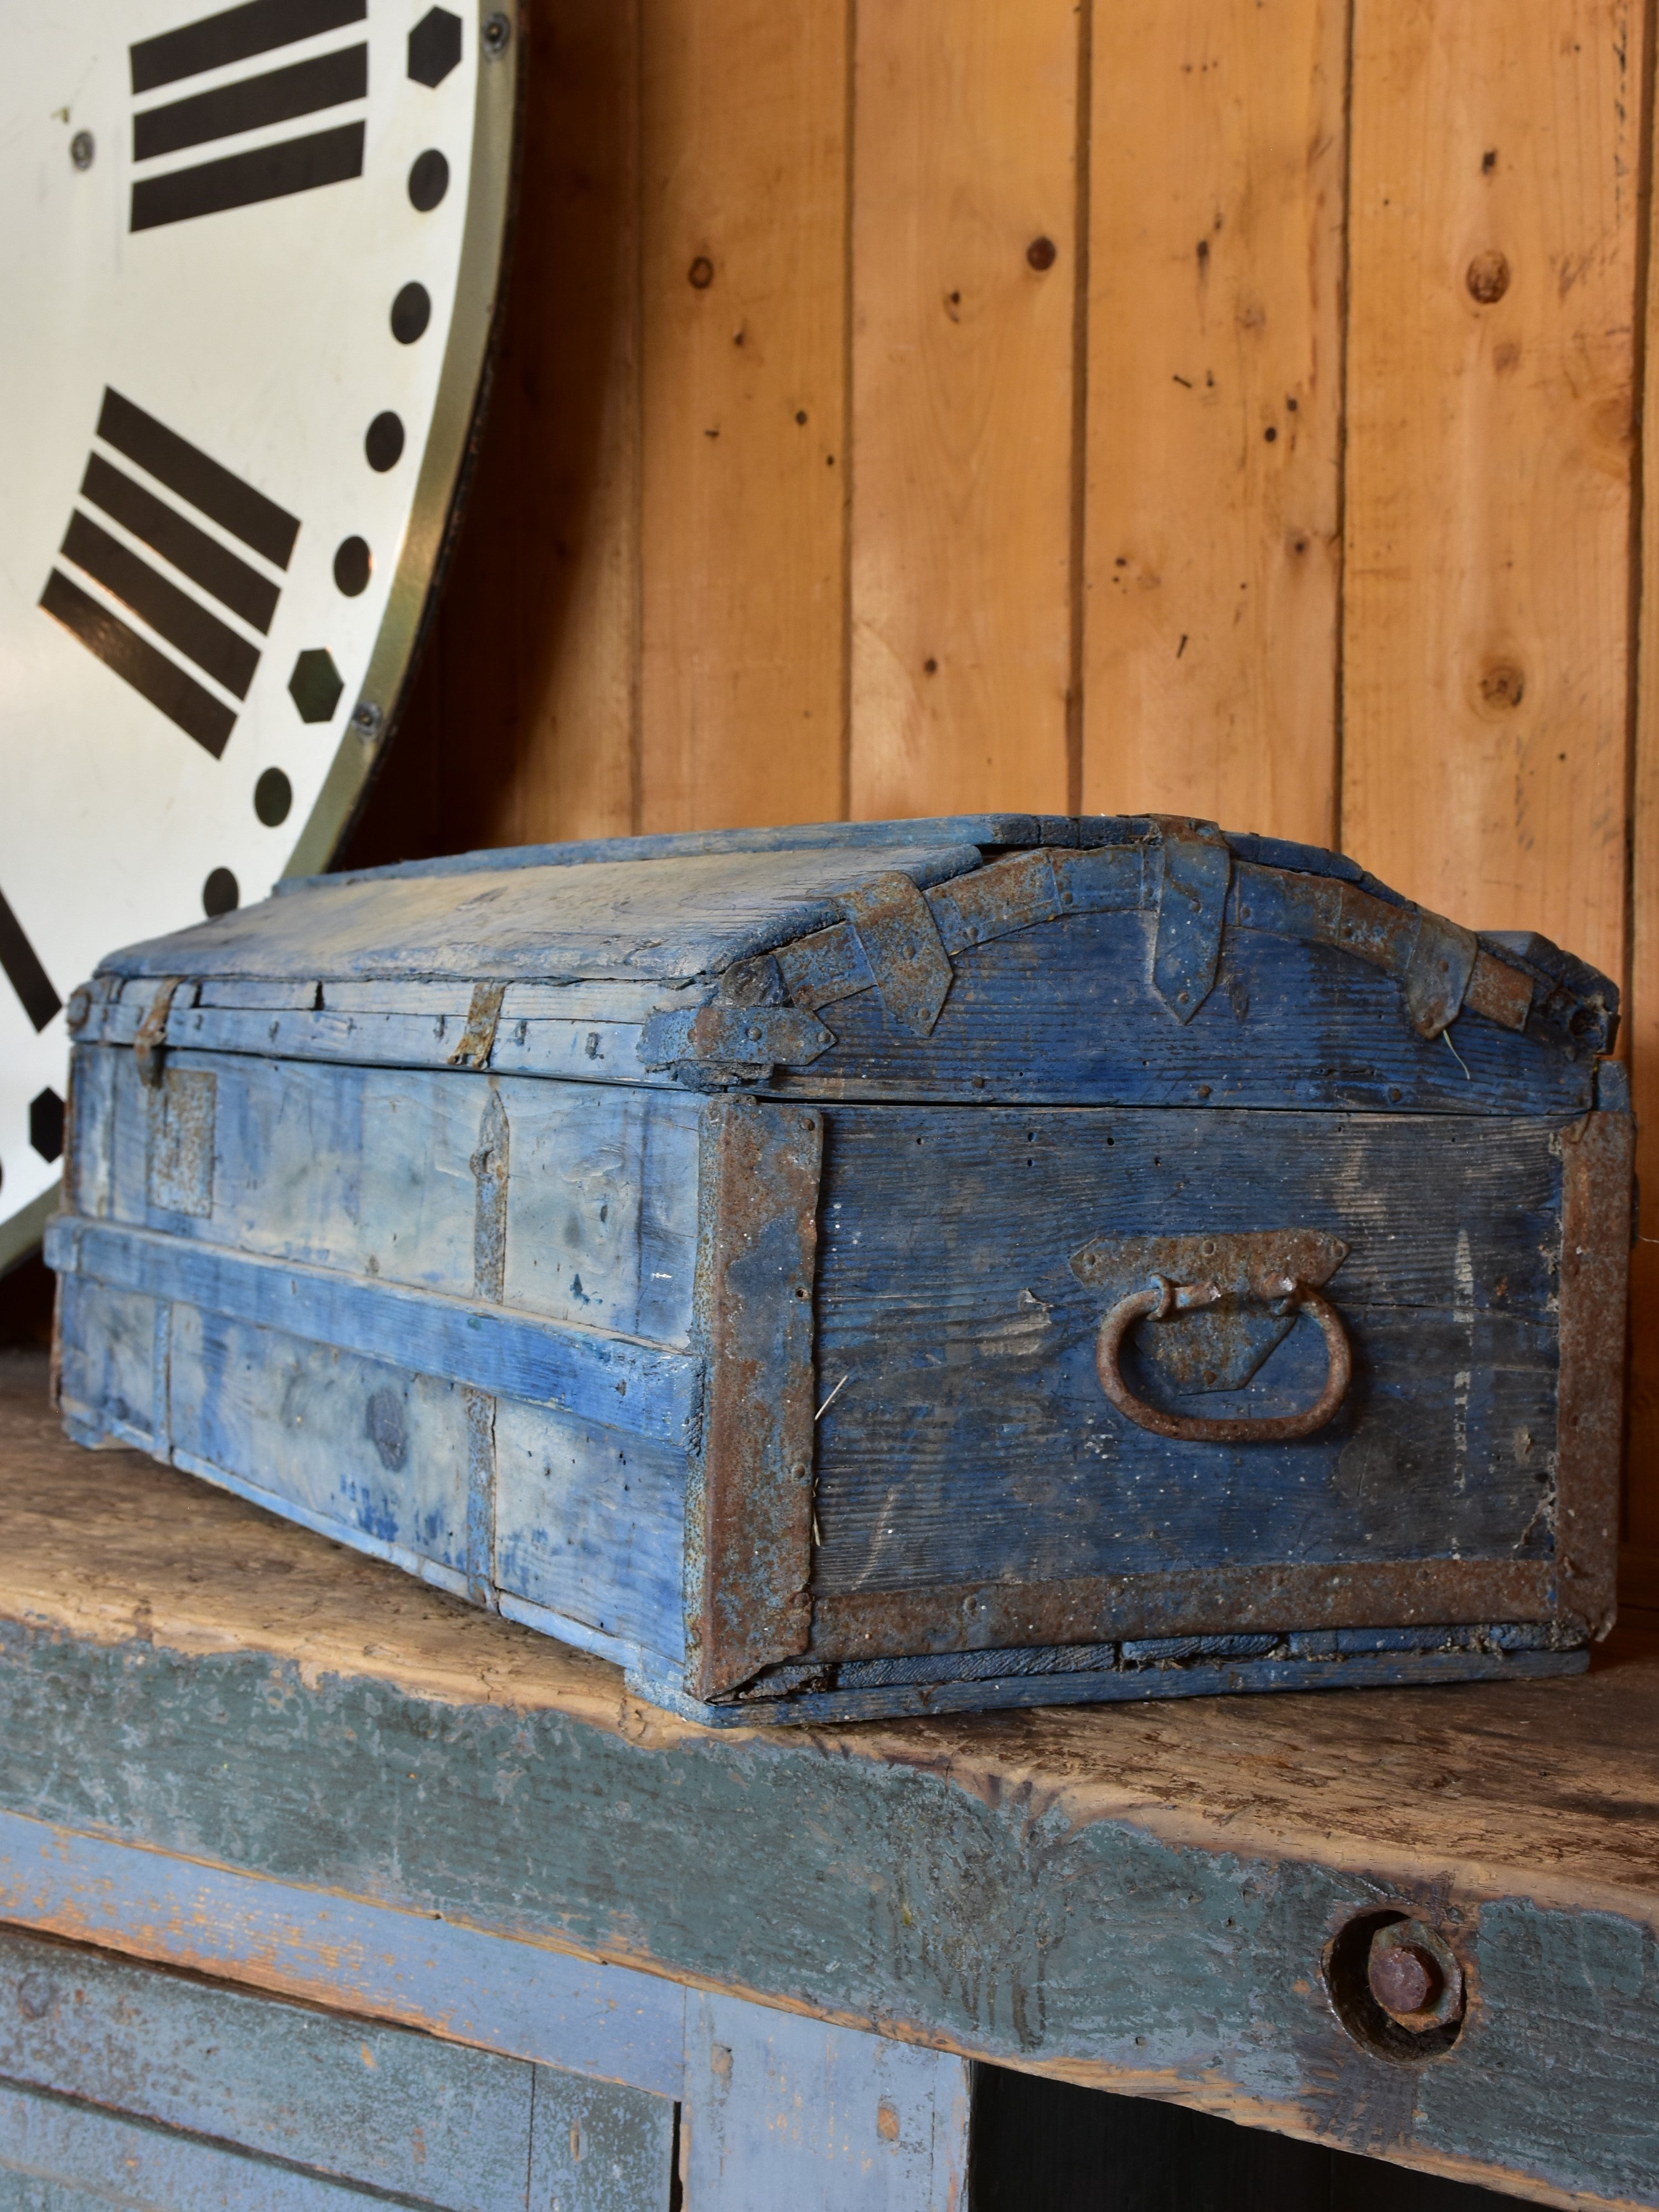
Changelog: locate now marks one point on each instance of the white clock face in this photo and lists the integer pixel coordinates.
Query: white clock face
(249, 258)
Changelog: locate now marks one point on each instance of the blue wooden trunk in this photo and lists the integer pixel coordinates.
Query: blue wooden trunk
(897, 1267)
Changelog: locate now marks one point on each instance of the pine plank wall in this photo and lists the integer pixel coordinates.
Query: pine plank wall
(1228, 406)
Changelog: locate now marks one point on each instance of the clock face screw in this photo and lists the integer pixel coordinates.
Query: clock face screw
(497, 33)
(366, 719)
(82, 147)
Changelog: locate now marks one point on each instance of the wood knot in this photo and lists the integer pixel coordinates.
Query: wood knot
(701, 274)
(1041, 252)
(1487, 278)
(1502, 686)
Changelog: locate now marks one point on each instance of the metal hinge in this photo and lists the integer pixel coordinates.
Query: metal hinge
(905, 955)
(150, 1043)
(738, 1039)
(1195, 869)
(478, 1038)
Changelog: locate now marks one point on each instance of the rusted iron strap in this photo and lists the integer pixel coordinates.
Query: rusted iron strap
(1195, 1601)
(482, 1019)
(150, 1043)
(1196, 873)
(749, 1504)
(976, 909)
(1440, 964)
(900, 941)
(1502, 993)
(738, 1038)
(1441, 967)
(1597, 1156)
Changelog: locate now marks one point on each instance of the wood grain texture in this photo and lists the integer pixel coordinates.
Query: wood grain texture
(60, 2157)
(744, 305)
(363, 2102)
(1492, 229)
(1639, 1565)
(1213, 548)
(784, 2110)
(1142, 1906)
(970, 1440)
(964, 156)
(522, 722)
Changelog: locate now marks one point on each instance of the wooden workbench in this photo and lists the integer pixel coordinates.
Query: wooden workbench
(309, 1750)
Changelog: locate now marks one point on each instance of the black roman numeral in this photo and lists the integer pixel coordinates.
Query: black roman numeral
(177, 616)
(250, 103)
(23, 970)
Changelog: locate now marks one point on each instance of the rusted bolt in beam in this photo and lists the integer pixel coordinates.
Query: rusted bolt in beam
(1403, 1980)
(1413, 1975)
(1042, 253)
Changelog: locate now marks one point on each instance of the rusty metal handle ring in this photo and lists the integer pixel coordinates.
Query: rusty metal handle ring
(1161, 1297)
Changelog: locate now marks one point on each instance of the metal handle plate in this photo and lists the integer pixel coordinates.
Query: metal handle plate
(1159, 1299)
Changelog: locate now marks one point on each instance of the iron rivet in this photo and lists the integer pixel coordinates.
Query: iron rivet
(366, 719)
(82, 147)
(497, 35)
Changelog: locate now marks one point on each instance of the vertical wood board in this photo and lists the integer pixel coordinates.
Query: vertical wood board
(359, 2101)
(1492, 237)
(744, 303)
(1213, 549)
(783, 2111)
(964, 159)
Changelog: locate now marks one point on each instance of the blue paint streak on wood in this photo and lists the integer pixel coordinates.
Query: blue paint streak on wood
(621, 1384)
(677, 918)
(71, 2154)
(988, 1692)
(107, 1345)
(981, 829)
(445, 1978)
(352, 2099)
(589, 1522)
(369, 1170)
(349, 1441)
(592, 1525)
(970, 1436)
(786, 2112)
(599, 2148)
(1064, 1014)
